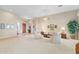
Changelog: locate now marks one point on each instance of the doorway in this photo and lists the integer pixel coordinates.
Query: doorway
(23, 28)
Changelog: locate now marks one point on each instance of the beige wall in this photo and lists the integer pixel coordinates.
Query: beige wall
(60, 20)
(9, 18)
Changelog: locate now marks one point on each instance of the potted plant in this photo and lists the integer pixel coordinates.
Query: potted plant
(72, 28)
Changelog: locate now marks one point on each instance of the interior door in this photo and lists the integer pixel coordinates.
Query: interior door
(23, 28)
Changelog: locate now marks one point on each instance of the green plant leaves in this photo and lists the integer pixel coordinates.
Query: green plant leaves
(72, 26)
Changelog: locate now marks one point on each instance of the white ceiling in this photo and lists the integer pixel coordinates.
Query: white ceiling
(30, 11)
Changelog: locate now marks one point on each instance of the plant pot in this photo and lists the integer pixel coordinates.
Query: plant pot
(72, 36)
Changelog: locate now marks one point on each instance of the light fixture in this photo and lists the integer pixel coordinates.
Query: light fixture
(45, 19)
(59, 5)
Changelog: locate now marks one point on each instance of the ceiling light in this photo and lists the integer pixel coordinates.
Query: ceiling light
(59, 5)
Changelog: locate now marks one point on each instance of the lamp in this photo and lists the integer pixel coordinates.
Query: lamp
(63, 28)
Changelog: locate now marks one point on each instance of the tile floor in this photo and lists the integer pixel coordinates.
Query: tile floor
(30, 44)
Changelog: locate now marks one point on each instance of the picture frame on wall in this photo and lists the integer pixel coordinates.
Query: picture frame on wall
(7, 26)
(2, 26)
(52, 26)
(12, 26)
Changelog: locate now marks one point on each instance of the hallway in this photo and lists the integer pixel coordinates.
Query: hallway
(30, 44)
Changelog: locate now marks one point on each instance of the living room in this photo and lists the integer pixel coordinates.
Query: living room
(51, 25)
